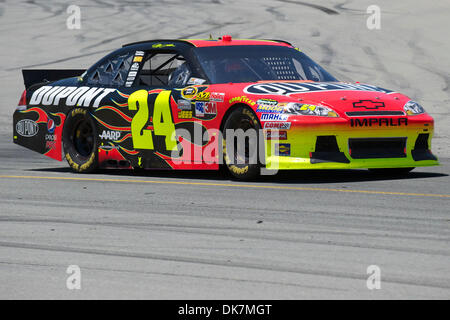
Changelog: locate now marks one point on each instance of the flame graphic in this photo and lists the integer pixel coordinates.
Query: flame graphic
(166, 159)
(123, 95)
(124, 138)
(123, 115)
(121, 104)
(155, 91)
(42, 114)
(132, 152)
(112, 127)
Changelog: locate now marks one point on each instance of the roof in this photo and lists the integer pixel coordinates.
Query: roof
(235, 42)
(222, 41)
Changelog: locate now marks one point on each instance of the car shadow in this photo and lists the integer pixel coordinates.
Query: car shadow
(282, 177)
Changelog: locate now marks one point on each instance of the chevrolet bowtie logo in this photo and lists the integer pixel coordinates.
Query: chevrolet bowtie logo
(368, 104)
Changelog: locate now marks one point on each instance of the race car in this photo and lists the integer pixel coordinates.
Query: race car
(251, 106)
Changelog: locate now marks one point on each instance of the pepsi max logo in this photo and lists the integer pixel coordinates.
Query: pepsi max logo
(51, 126)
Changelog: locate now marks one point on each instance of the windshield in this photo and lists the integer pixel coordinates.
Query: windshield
(256, 63)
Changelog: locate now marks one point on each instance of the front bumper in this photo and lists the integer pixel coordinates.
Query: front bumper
(329, 146)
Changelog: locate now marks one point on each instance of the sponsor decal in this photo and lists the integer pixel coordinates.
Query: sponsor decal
(73, 96)
(274, 117)
(51, 126)
(134, 67)
(50, 141)
(163, 45)
(283, 149)
(130, 78)
(110, 135)
(287, 88)
(238, 170)
(193, 80)
(27, 128)
(203, 96)
(277, 125)
(184, 104)
(202, 108)
(185, 114)
(189, 92)
(379, 122)
(270, 102)
(50, 144)
(78, 111)
(88, 163)
(269, 109)
(131, 75)
(368, 104)
(276, 135)
(210, 108)
(138, 57)
(217, 96)
(50, 137)
(242, 99)
(199, 109)
(109, 147)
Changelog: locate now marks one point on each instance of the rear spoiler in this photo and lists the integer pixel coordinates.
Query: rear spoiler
(35, 76)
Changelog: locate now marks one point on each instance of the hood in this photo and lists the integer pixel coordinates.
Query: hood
(341, 97)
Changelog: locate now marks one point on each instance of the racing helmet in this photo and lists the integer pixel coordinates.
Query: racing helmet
(180, 76)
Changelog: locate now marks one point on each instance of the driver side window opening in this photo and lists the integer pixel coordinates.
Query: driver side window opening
(164, 69)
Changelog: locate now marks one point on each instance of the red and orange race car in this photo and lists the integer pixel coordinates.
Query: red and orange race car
(198, 104)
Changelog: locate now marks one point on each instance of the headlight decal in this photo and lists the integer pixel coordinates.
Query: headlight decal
(309, 110)
(412, 108)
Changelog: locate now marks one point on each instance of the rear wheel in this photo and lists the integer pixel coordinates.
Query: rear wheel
(391, 171)
(242, 160)
(80, 141)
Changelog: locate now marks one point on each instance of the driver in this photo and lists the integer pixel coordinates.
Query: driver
(180, 76)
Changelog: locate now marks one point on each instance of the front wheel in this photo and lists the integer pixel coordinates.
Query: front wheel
(80, 141)
(240, 144)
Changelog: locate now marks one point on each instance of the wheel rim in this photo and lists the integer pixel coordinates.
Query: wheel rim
(83, 139)
(244, 124)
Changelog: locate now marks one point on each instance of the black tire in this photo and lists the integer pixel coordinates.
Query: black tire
(391, 171)
(80, 141)
(246, 166)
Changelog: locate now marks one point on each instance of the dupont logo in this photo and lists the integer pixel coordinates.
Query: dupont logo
(368, 104)
(27, 128)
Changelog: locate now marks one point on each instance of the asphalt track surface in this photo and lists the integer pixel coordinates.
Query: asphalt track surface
(196, 235)
(200, 235)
